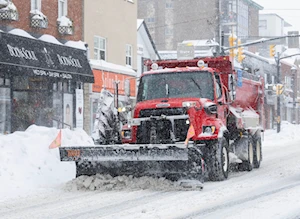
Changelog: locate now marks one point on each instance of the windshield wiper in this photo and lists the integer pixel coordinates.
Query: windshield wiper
(198, 86)
(167, 88)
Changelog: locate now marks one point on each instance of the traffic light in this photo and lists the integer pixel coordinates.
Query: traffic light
(232, 39)
(241, 55)
(279, 89)
(272, 50)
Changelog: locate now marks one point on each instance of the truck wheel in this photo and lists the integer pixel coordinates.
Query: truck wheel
(219, 165)
(257, 153)
(247, 165)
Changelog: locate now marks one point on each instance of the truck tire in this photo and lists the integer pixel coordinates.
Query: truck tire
(257, 153)
(219, 164)
(247, 165)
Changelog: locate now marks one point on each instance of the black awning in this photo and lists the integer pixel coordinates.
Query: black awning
(36, 57)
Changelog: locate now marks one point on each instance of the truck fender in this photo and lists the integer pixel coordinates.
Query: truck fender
(223, 132)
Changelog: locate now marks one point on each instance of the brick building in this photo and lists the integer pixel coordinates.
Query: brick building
(43, 66)
(171, 22)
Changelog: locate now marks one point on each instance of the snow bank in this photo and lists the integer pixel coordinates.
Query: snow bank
(27, 163)
(289, 133)
(107, 182)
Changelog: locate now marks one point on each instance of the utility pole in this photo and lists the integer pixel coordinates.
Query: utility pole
(277, 59)
(294, 88)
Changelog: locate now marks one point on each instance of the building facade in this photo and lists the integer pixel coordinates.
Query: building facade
(171, 22)
(43, 66)
(110, 31)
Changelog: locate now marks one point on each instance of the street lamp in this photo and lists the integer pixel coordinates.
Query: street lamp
(294, 88)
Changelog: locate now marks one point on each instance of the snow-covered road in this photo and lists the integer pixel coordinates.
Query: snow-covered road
(272, 191)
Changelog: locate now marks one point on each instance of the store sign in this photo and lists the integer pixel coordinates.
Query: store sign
(52, 74)
(79, 108)
(239, 78)
(41, 58)
(21, 52)
(107, 80)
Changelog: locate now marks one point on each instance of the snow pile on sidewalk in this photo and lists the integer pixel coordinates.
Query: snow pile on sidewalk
(27, 163)
(288, 133)
(107, 183)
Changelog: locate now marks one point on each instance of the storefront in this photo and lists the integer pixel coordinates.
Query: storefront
(39, 82)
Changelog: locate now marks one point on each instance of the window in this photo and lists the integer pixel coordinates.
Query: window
(168, 31)
(288, 82)
(263, 24)
(36, 5)
(218, 87)
(128, 55)
(176, 85)
(150, 19)
(169, 5)
(62, 8)
(99, 48)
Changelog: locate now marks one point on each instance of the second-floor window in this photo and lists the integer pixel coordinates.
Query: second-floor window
(128, 55)
(99, 48)
(62, 8)
(36, 5)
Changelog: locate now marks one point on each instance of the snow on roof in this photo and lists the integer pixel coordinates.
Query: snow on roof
(20, 32)
(139, 22)
(76, 44)
(111, 67)
(205, 42)
(291, 60)
(268, 60)
(50, 39)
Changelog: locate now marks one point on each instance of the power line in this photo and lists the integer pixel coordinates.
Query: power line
(281, 9)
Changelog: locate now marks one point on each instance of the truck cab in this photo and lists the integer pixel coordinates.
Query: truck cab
(171, 99)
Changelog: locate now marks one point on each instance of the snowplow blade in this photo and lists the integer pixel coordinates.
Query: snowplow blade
(138, 160)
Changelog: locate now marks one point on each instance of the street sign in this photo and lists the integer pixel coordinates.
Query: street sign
(239, 78)
(185, 51)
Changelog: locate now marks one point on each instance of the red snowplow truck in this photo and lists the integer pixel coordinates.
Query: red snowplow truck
(191, 118)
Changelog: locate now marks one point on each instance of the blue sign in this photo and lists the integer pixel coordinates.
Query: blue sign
(239, 78)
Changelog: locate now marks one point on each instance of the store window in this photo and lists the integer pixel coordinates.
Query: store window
(99, 48)
(129, 55)
(5, 105)
(31, 103)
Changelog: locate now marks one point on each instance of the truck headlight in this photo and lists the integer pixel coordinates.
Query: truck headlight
(189, 104)
(209, 129)
(126, 134)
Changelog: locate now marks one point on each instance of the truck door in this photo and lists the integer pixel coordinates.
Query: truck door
(220, 95)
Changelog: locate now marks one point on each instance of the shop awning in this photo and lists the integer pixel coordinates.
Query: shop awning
(22, 55)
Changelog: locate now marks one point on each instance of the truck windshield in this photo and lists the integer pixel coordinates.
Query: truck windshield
(176, 85)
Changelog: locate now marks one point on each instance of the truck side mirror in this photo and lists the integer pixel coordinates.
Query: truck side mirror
(232, 88)
(127, 87)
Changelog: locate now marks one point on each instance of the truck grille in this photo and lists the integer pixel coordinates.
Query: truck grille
(163, 127)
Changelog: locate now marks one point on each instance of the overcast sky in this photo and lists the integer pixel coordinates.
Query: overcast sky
(289, 10)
